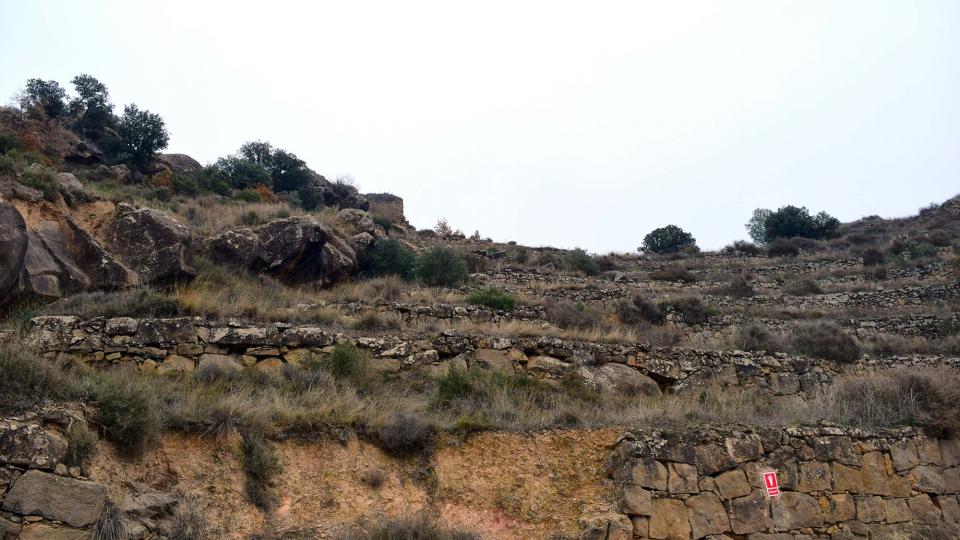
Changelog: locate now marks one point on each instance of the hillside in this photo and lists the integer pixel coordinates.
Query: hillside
(246, 349)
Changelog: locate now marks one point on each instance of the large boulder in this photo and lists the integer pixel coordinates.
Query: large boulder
(13, 247)
(151, 243)
(28, 445)
(619, 379)
(75, 502)
(294, 250)
(179, 164)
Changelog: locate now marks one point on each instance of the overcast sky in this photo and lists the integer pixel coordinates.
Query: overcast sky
(550, 123)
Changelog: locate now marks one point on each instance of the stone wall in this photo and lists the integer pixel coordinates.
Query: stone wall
(388, 206)
(42, 498)
(835, 484)
(185, 344)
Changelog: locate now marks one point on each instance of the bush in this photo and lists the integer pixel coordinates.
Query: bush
(188, 522)
(346, 362)
(403, 433)
(873, 257)
(261, 465)
(673, 274)
(639, 310)
(739, 287)
(419, 527)
(41, 179)
(742, 247)
(26, 379)
(81, 445)
(144, 302)
(441, 267)
(248, 195)
(756, 337)
(802, 287)
(579, 260)
(782, 247)
(566, 314)
(111, 524)
(127, 410)
(925, 399)
(494, 298)
(825, 340)
(692, 308)
(667, 239)
(452, 385)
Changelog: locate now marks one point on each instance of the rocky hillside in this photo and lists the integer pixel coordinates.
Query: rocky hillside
(187, 355)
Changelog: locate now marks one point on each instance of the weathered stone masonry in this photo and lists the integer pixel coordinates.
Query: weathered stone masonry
(184, 344)
(835, 483)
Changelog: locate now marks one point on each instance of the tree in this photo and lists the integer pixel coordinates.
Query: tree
(239, 172)
(756, 227)
(44, 97)
(287, 171)
(92, 110)
(667, 240)
(789, 222)
(143, 134)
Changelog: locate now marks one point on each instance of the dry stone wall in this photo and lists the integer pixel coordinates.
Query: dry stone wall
(41, 497)
(185, 344)
(834, 484)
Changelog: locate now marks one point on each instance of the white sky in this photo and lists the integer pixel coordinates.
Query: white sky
(550, 123)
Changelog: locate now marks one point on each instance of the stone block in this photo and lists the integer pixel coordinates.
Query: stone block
(732, 484)
(750, 514)
(904, 455)
(75, 502)
(923, 509)
(707, 515)
(635, 500)
(870, 509)
(713, 458)
(792, 510)
(846, 479)
(837, 508)
(927, 479)
(670, 520)
(683, 478)
(814, 476)
(896, 510)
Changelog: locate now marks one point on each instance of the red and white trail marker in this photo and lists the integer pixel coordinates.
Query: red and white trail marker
(770, 481)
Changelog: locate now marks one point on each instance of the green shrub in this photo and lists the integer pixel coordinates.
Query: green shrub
(441, 267)
(825, 340)
(249, 195)
(493, 297)
(41, 179)
(81, 445)
(404, 434)
(742, 247)
(127, 410)
(390, 257)
(783, 247)
(453, 385)
(26, 379)
(385, 223)
(346, 362)
(161, 194)
(8, 141)
(579, 260)
(261, 465)
(669, 239)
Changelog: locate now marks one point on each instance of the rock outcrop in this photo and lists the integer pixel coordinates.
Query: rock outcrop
(151, 243)
(294, 250)
(13, 247)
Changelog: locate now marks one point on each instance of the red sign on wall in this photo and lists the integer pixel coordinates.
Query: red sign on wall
(770, 481)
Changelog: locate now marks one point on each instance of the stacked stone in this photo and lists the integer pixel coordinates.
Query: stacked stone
(42, 498)
(184, 344)
(835, 483)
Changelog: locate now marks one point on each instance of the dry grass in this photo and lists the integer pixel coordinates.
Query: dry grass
(388, 289)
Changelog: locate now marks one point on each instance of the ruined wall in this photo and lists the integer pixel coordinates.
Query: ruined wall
(184, 344)
(835, 483)
(388, 206)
